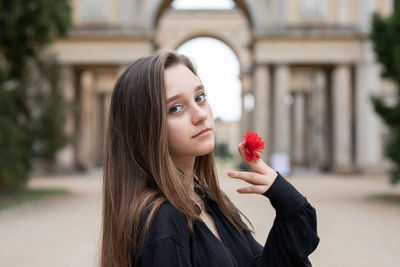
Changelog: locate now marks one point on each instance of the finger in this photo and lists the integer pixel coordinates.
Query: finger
(254, 189)
(250, 177)
(257, 165)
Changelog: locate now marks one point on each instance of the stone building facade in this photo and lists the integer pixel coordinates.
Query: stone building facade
(308, 65)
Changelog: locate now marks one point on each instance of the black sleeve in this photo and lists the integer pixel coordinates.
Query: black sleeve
(293, 235)
(163, 253)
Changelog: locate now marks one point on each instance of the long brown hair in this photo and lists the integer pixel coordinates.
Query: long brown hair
(139, 173)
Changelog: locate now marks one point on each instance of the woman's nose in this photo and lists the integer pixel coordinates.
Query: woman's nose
(199, 114)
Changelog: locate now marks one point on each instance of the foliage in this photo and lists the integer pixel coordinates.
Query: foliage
(13, 152)
(222, 151)
(386, 39)
(27, 26)
(31, 103)
(28, 196)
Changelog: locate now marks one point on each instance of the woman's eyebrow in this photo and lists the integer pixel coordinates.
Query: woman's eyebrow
(172, 98)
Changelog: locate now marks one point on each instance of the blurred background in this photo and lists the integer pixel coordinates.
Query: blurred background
(317, 79)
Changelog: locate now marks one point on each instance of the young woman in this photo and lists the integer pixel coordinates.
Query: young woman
(162, 202)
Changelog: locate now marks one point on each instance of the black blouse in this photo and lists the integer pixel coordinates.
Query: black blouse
(291, 239)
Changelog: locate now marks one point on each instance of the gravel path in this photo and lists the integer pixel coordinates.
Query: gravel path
(64, 231)
(61, 231)
(354, 231)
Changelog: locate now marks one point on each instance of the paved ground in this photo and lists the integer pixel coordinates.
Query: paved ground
(64, 231)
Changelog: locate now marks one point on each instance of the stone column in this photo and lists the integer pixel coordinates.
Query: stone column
(261, 98)
(388, 8)
(86, 127)
(299, 129)
(342, 9)
(317, 122)
(280, 158)
(245, 120)
(314, 116)
(125, 12)
(368, 147)
(341, 94)
(321, 120)
(65, 157)
(365, 11)
(309, 128)
(282, 10)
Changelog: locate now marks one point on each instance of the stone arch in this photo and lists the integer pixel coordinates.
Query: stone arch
(152, 10)
(237, 35)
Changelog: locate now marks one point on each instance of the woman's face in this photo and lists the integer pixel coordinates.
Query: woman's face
(188, 114)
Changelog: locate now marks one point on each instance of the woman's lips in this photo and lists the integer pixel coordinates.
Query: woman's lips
(203, 133)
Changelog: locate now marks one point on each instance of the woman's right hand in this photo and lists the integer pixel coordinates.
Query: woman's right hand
(261, 179)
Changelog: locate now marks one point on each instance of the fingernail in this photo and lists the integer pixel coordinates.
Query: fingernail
(230, 173)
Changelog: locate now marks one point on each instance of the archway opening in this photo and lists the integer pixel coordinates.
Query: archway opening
(203, 4)
(221, 35)
(219, 70)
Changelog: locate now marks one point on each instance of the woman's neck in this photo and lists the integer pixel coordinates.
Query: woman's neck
(186, 165)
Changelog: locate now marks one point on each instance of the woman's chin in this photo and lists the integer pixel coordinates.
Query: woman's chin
(206, 150)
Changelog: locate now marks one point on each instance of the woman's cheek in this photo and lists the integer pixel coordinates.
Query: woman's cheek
(176, 133)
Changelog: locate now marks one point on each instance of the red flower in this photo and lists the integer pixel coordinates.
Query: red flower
(253, 145)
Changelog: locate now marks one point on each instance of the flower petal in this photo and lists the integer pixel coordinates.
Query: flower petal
(253, 145)
(249, 155)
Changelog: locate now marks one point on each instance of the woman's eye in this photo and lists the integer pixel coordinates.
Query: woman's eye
(175, 109)
(201, 97)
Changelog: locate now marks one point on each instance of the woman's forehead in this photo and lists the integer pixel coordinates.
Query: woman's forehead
(180, 79)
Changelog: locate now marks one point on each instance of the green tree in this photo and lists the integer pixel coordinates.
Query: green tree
(29, 91)
(385, 35)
